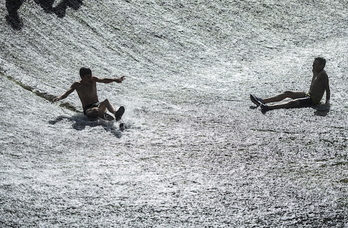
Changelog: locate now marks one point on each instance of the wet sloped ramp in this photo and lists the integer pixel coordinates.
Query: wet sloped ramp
(194, 153)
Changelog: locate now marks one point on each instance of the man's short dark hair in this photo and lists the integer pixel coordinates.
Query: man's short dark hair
(84, 71)
(321, 60)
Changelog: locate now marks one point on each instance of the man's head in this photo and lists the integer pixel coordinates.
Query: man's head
(85, 71)
(319, 64)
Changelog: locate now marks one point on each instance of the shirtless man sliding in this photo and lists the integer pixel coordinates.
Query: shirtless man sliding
(87, 90)
(319, 85)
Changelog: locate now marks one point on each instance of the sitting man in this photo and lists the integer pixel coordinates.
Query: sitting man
(319, 85)
(87, 90)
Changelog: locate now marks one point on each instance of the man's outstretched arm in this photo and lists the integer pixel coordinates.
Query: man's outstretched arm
(109, 80)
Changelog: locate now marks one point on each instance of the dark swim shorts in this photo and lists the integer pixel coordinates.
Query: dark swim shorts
(306, 101)
(96, 104)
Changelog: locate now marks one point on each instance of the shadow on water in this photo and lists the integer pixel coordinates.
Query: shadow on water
(321, 110)
(13, 6)
(80, 122)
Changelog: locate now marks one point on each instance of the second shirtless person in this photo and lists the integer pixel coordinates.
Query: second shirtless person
(319, 85)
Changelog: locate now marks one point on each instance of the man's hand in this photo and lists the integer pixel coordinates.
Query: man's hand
(119, 80)
(56, 99)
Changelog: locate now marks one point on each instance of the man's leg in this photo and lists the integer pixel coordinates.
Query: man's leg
(47, 5)
(282, 96)
(98, 111)
(290, 104)
(296, 103)
(13, 17)
(103, 106)
(13, 5)
(107, 105)
(92, 113)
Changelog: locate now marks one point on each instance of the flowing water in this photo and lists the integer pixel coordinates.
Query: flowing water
(195, 153)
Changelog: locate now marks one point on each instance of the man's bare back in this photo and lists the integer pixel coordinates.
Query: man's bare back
(319, 84)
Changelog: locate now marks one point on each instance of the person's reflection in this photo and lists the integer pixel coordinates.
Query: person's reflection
(13, 18)
(60, 9)
(47, 5)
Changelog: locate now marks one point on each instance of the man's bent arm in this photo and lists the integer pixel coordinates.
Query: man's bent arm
(328, 94)
(327, 90)
(64, 95)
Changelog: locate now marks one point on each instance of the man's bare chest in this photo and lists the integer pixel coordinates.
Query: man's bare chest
(84, 88)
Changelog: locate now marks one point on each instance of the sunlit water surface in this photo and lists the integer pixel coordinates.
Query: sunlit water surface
(195, 153)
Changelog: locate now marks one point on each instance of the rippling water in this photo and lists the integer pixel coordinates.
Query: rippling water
(195, 153)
